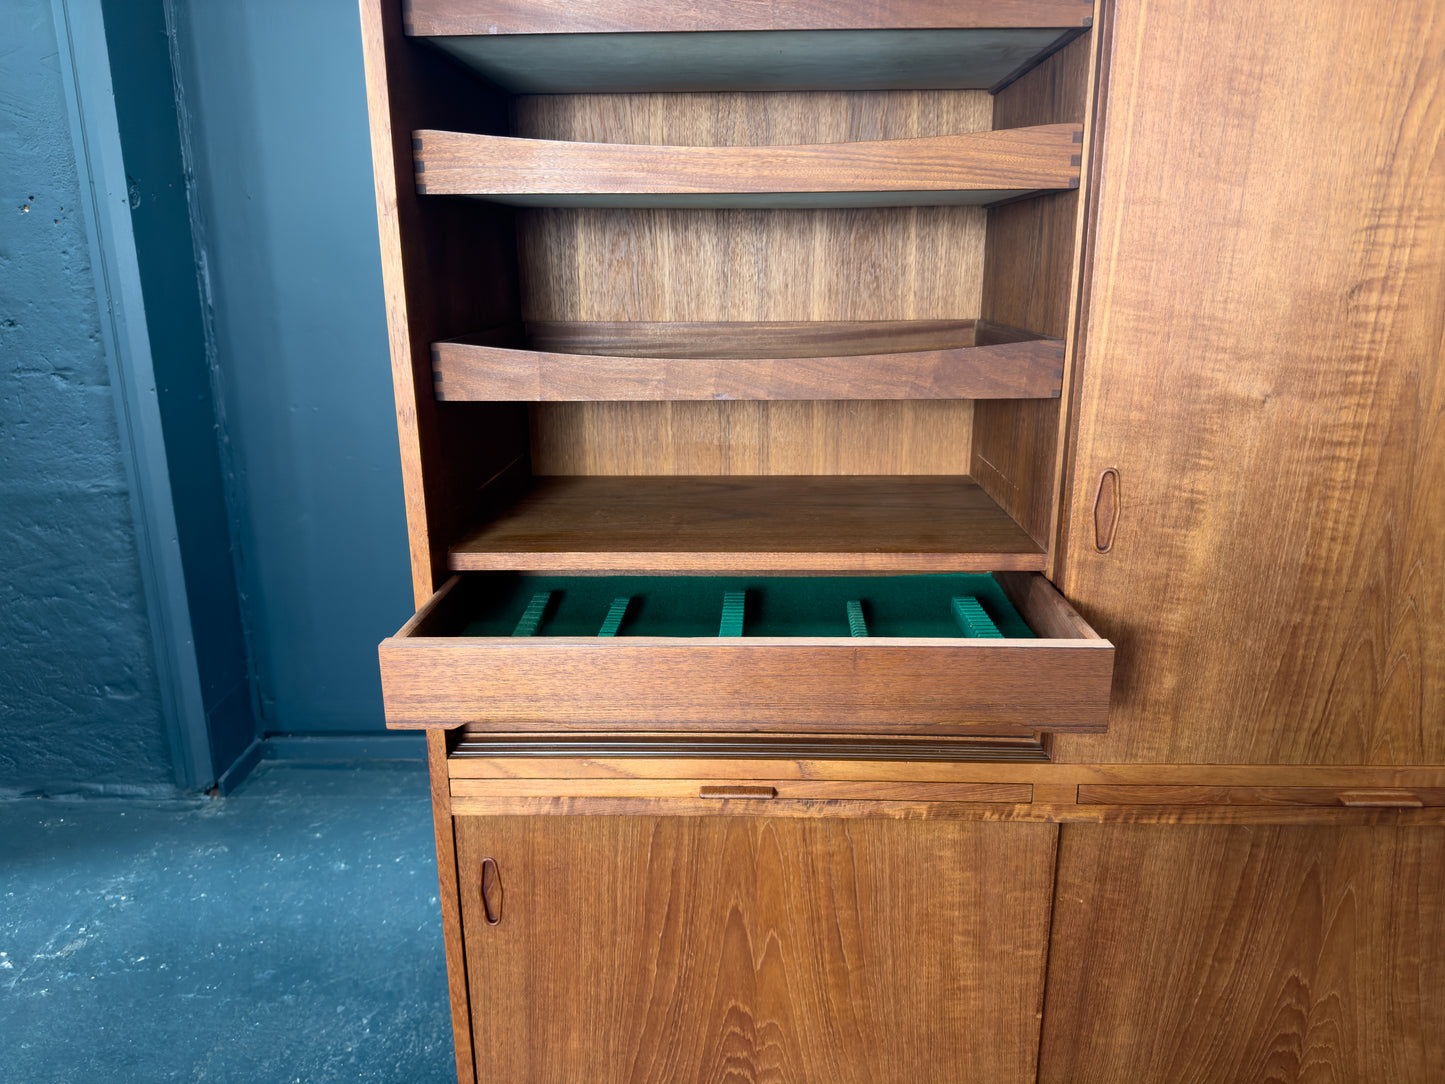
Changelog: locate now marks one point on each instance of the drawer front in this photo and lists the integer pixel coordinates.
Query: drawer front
(811, 799)
(755, 790)
(1059, 681)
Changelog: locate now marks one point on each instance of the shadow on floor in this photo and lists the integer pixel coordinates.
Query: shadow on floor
(289, 932)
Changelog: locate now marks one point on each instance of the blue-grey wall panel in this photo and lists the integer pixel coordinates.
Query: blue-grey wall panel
(145, 105)
(79, 704)
(277, 104)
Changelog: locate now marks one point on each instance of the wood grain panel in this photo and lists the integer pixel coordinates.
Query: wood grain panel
(757, 684)
(759, 338)
(485, 755)
(479, 368)
(1042, 607)
(1264, 368)
(747, 949)
(1350, 797)
(440, 17)
(1032, 813)
(1004, 162)
(790, 437)
(450, 900)
(1247, 954)
(769, 60)
(1029, 274)
(768, 790)
(434, 255)
(741, 523)
(884, 264)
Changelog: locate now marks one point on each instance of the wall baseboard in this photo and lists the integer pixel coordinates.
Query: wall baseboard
(345, 746)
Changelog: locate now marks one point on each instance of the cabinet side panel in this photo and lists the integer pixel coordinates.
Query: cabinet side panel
(659, 949)
(436, 745)
(1029, 281)
(1213, 953)
(1264, 370)
(878, 264)
(449, 268)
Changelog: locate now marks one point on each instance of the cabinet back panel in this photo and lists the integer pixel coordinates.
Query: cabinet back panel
(923, 437)
(877, 264)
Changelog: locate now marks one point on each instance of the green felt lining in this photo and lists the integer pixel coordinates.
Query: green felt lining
(915, 606)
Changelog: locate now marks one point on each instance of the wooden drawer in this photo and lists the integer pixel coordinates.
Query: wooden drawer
(434, 676)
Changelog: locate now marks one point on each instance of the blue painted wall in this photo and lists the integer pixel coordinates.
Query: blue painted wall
(79, 706)
(139, 50)
(277, 106)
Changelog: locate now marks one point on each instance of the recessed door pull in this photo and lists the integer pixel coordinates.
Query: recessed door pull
(1106, 510)
(491, 891)
(737, 792)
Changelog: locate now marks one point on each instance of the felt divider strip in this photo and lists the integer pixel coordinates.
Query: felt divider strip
(532, 615)
(614, 617)
(732, 614)
(857, 626)
(973, 621)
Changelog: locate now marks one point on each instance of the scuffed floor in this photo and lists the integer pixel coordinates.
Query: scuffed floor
(289, 932)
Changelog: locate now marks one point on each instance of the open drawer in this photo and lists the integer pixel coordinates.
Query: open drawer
(885, 654)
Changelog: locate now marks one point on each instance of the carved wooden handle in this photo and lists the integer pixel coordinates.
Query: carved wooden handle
(1106, 510)
(491, 891)
(733, 791)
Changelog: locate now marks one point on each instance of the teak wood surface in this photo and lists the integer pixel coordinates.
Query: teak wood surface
(644, 361)
(1000, 162)
(1030, 274)
(761, 792)
(1263, 367)
(441, 17)
(756, 684)
(1214, 953)
(449, 898)
(757, 949)
(1255, 344)
(432, 677)
(891, 761)
(917, 263)
(432, 254)
(750, 523)
(750, 339)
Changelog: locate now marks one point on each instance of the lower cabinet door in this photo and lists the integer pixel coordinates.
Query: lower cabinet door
(749, 949)
(1232, 954)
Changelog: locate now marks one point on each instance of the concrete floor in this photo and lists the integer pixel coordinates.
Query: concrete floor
(289, 932)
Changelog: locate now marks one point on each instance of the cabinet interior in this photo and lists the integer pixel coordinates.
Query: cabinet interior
(859, 388)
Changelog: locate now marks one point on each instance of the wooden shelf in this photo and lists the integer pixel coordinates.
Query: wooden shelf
(971, 168)
(552, 46)
(505, 17)
(637, 361)
(751, 523)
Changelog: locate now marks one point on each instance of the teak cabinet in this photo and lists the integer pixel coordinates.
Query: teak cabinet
(927, 524)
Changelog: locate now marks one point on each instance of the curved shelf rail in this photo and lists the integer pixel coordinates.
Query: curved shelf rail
(627, 361)
(974, 167)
